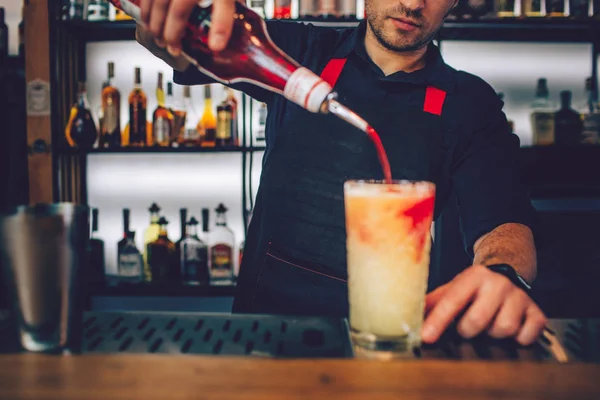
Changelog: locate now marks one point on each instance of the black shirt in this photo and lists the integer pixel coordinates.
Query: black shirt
(483, 173)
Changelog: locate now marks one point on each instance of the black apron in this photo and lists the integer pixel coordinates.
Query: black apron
(295, 257)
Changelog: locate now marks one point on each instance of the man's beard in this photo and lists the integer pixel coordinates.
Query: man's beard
(387, 43)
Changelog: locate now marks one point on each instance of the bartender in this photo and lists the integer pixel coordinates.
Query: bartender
(437, 124)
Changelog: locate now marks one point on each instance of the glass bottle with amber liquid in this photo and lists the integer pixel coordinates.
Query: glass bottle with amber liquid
(96, 251)
(542, 115)
(137, 130)
(110, 127)
(222, 243)
(150, 235)
(162, 119)
(224, 124)
(161, 254)
(208, 122)
(232, 101)
(129, 259)
(533, 8)
(81, 131)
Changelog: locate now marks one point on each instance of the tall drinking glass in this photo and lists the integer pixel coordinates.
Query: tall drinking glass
(388, 244)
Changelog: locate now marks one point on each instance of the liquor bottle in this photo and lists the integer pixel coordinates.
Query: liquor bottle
(179, 111)
(129, 260)
(534, 8)
(137, 129)
(591, 116)
(542, 116)
(480, 9)
(206, 227)
(190, 136)
(208, 120)
(194, 256)
(252, 57)
(567, 122)
(73, 9)
(161, 254)
(183, 228)
(232, 101)
(162, 119)
(261, 123)
(81, 128)
(581, 8)
(97, 10)
(150, 235)
(3, 37)
(258, 6)
(556, 8)
(282, 9)
(326, 9)
(96, 252)
(224, 124)
(506, 8)
(110, 127)
(347, 9)
(221, 249)
(308, 9)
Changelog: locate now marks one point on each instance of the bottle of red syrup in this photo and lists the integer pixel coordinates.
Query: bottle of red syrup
(251, 56)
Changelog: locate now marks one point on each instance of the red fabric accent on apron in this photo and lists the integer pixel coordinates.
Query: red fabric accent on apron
(434, 100)
(332, 70)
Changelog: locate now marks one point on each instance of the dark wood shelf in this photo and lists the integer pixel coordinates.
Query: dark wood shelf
(158, 150)
(506, 29)
(114, 288)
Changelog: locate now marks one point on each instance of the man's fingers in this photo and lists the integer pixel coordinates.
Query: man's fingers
(535, 322)
(222, 24)
(509, 319)
(447, 308)
(145, 8)
(482, 311)
(432, 298)
(158, 14)
(179, 13)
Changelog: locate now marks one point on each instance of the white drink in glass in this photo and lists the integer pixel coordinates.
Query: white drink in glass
(388, 245)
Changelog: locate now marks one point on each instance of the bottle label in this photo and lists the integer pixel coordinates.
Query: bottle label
(130, 265)
(111, 117)
(222, 261)
(306, 89)
(223, 125)
(137, 115)
(591, 129)
(194, 263)
(161, 130)
(543, 128)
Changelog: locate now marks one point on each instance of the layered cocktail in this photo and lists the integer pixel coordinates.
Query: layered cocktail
(388, 244)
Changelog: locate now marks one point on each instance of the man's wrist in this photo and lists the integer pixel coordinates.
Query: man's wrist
(511, 273)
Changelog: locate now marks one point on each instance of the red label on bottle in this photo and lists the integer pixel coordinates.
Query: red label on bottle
(222, 261)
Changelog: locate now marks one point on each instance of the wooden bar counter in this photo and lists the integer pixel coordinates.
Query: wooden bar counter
(41, 377)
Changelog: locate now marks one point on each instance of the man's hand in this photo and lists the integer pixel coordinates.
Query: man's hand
(491, 303)
(166, 21)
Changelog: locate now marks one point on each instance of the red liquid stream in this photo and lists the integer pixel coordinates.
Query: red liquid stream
(381, 154)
